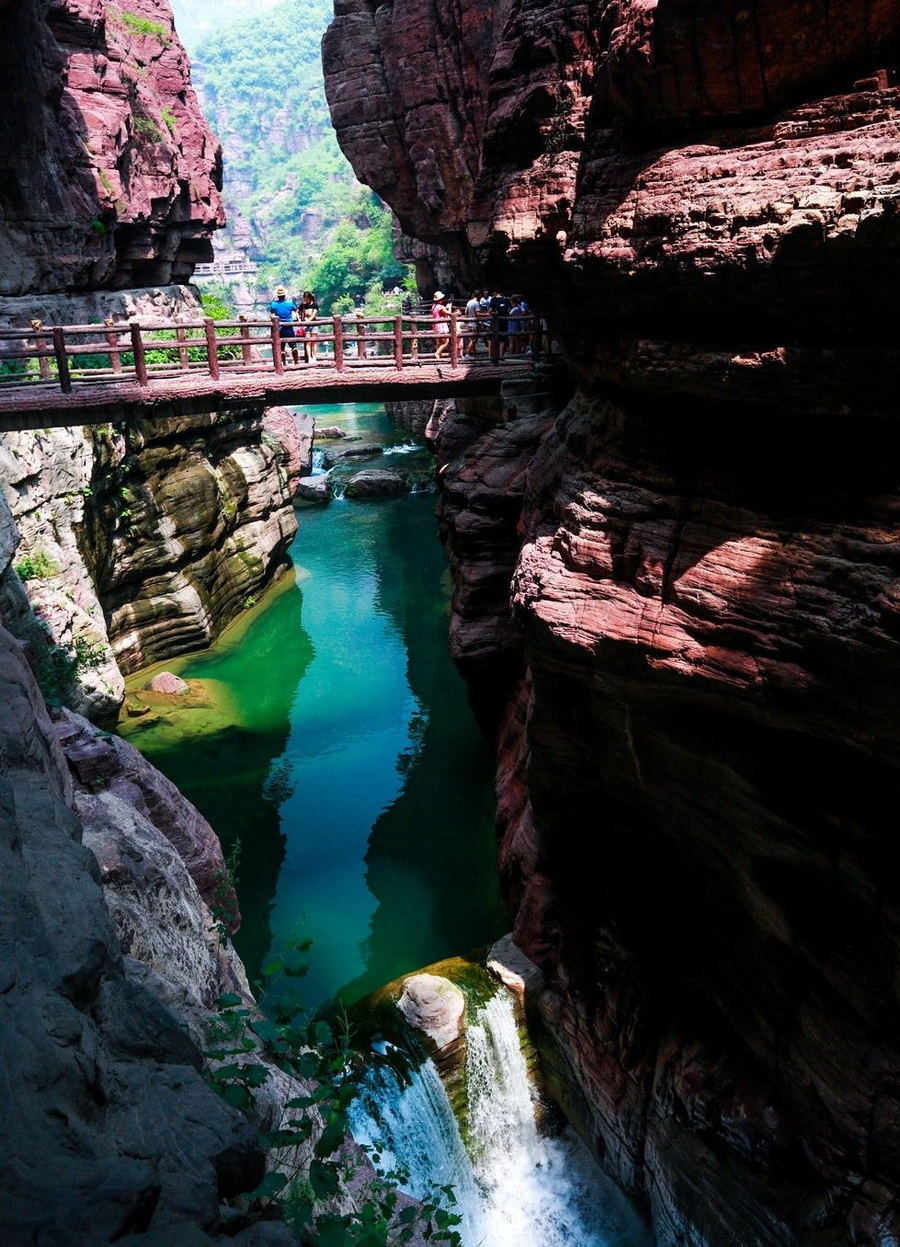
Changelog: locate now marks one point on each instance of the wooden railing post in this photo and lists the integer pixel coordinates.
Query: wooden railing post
(115, 349)
(140, 357)
(41, 345)
(246, 357)
(212, 351)
(495, 340)
(181, 338)
(454, 340)
(360, 341)
(338, 326)
(277, 357)
(398, 341)
(62, 361)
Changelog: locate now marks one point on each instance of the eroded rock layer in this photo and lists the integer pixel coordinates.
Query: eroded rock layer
(142, 544)
(108, 1128)
(688, 576)
(109, 176)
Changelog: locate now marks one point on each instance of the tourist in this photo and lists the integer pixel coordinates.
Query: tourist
(440, 323)
(285, 309)
(309, 312)
(500, 314)
(517, 325)
(471, 324)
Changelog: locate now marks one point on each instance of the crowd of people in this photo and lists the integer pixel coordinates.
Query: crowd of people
(487, 319)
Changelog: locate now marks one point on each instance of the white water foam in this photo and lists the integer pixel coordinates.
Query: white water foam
(516, 1188)
(404, 448)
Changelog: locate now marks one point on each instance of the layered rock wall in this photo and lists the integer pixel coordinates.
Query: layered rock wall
(109, 176)
(699, 734)
(108, 1128)
(142, 544)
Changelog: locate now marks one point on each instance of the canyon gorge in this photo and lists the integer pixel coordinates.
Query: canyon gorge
(674, 555)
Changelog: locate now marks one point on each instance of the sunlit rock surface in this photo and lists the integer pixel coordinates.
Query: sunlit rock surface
(694, 565)
(110, 174)
(140, 545)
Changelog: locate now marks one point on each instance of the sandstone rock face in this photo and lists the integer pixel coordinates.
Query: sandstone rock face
(699, 204)
(139, 546)
(108, 1128)
(700, 731)
(110, 175)
(109, 764)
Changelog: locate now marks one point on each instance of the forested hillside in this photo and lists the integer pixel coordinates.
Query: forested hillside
(292, 200)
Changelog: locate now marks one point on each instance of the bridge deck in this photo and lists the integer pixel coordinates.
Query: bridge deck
(96, 374)
(44, 405)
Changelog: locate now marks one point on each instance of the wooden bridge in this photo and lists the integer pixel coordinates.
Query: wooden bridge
(92, 374)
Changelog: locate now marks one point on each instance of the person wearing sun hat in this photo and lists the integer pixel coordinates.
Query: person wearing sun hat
(440, 313)
(285, 309)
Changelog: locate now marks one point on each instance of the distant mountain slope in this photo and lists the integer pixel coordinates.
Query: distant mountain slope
(292, 200)
(198, 19)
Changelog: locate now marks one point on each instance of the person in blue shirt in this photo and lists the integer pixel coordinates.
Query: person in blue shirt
(286, 310)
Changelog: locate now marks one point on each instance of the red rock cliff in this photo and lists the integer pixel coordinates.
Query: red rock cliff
(696, 765)
(109, 176)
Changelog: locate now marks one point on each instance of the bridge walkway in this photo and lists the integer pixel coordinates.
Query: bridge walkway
(80, 374)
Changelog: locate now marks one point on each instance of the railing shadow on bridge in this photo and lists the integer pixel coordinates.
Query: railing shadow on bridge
(68, 357)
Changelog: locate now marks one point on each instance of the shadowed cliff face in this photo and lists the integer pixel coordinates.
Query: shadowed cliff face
(693, 567)
(702, 198)
(109, 176)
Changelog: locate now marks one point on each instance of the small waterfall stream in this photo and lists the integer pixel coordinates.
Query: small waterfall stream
(515, 1187)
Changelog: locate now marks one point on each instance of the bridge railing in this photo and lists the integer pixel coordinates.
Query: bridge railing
(117, 351)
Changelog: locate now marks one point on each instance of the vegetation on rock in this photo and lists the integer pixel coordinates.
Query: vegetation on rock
(292, 199)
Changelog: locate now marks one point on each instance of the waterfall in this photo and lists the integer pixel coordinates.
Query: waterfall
(515, 1187)
(317, 462)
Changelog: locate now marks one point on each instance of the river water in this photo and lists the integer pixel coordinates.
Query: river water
(336, 746)
(341, 752)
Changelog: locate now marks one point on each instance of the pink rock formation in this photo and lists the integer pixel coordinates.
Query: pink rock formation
(167, 682)
(112, 176)
(109, 764)
(700, 736)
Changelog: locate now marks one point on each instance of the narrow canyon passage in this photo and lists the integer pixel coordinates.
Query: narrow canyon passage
(340, 750)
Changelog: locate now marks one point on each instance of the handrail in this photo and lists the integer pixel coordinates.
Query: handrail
(73, 355)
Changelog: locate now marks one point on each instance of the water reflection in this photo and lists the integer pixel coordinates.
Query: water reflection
(350, 769)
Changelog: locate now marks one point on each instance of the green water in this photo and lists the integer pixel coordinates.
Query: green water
(346, 760)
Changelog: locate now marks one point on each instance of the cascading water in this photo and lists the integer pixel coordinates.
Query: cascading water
(515, 1187)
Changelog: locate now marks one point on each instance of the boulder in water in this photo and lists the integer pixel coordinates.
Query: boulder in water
(377, 483)
(168, 682)
(314, 489)
(434, 1006)
(365, 450)
(507, 961)
(329, 430)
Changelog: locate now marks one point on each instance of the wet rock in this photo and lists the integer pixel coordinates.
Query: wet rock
(329, 431)
(314, 488)
(377, 483)
(514, 969)
(168, 682)
(434, 1006)
(364, 450)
